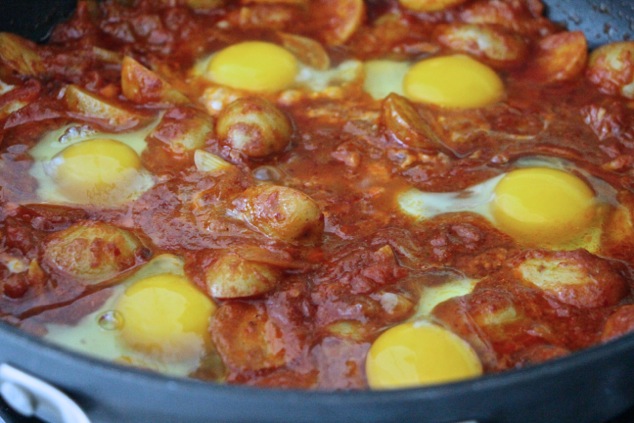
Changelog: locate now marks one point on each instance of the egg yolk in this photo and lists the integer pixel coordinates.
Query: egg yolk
(543, 205)
(94, 170)
(254, 66)
(419, 353)
(453, 81)
(165, 316)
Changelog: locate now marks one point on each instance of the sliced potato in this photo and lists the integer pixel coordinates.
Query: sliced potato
(12, 106)
(497, 46)
(92, 252)
(183, 129)
(141, 85)
(495, 308)
(617, 237)
(576, 278)
(246, 338)
(268, 16)
(283, 213)
(348, 329)
(14, 98)
(233, 276)
(306, 50)
(619, 323)
(209, 162)
(204, 4)
(337, 20)
(559, 57)
(90, 106)
(408, 127)
(611, 67)
(254, 126)
(20, 55)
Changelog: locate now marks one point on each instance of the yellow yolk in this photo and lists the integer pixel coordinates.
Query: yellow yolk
(453, 81)
(165, 316)
(419, 353)
(254, 66)
(94, 170)
(542, 205)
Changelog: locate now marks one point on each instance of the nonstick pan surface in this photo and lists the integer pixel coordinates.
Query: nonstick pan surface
(591, 386)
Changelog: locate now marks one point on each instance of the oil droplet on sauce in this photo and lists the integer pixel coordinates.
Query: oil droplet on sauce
(110, 320)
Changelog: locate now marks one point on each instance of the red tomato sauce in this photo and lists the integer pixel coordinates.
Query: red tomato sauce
(365, 268)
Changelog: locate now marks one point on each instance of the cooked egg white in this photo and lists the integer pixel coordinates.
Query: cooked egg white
(425, 205)
(539, 204)
(77, 165)
(419, 352)
(433, 295)
(456, 81)
(155, 319)
(383, 77)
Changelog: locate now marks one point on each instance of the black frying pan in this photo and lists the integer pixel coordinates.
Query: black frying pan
(591, 386)
(601, 20)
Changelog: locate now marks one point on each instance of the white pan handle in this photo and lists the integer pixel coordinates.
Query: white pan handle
(32, 397)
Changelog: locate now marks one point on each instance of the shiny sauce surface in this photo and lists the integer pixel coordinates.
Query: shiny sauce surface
(318, 292)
